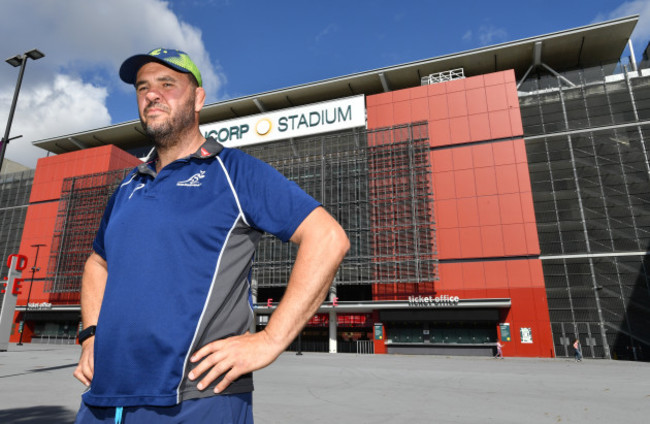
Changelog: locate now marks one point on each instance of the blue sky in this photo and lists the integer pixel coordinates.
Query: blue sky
(245, 47)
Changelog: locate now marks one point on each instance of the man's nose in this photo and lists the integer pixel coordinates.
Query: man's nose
(153, 95)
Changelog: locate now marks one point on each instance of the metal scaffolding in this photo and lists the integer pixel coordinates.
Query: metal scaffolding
(377, 184)
(81, 207)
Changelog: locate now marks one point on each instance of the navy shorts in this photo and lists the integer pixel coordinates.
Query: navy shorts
(222, 409)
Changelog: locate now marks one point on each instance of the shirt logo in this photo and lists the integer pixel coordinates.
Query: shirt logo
(193, 181)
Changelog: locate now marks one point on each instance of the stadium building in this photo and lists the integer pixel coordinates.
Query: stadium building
(497, 194)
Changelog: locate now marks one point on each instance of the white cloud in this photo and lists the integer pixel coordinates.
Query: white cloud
(485, 35)
(85, 42)
(67, 105)
(327, 31)
(641, 35)
(489, 34)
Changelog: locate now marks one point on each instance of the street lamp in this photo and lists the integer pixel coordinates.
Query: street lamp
(29, 293)
(18, 60)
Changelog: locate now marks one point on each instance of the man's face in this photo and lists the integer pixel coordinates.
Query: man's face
(166, 102)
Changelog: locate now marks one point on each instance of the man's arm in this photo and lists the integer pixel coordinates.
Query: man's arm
(93, 283)
(322, 244)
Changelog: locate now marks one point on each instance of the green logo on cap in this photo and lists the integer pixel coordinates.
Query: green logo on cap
(180, 60)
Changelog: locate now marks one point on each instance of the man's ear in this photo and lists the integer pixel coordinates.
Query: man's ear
(199, 99)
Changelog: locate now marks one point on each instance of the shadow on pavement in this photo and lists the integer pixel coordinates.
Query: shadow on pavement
(37, 415)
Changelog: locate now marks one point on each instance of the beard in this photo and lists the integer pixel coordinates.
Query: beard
(169, 133)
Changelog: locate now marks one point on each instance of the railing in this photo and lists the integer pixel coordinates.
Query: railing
(365, 347)
(443, 76)
(54, 339)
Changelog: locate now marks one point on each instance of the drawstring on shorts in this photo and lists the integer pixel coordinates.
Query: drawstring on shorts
(118, 415)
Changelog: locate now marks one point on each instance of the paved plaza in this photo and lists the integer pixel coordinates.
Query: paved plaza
(36, 386)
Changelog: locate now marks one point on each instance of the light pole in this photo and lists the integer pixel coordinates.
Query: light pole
(29, 293)
(18, 60)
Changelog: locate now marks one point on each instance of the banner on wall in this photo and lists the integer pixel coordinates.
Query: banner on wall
(316, 118)
(11, 289)
(505, 331)
(379, 331)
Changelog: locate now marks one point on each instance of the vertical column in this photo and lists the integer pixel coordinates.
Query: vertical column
(332, 321)
(332, 331)
(254, 305)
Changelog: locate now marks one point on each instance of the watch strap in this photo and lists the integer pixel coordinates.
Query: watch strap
(86, 333)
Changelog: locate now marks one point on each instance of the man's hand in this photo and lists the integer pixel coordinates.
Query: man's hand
(86, 367)
(322, 244)
(234, 357)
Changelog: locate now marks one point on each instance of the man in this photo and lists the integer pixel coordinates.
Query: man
(165, 294)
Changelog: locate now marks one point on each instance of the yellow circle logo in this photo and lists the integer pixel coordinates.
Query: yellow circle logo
(263, 126)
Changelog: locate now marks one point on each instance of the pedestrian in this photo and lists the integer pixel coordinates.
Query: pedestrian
(165, 297)
(577, 350)
(499, 354)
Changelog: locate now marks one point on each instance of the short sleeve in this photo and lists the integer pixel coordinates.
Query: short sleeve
(270, 201)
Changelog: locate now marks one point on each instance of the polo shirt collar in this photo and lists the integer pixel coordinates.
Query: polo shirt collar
(209, 149)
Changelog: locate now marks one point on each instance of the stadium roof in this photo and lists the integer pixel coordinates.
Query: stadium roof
(582, 47)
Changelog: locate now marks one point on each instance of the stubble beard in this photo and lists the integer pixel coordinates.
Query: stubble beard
(169, 133)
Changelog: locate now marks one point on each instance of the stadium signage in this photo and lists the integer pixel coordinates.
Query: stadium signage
(430, 301)
(316, 118)
(42, 305)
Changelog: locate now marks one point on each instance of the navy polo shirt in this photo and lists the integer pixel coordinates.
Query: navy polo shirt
(179, 247)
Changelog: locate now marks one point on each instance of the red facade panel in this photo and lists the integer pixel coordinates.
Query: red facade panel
(462, 157)
(492, 241)
(438, 108)
(489, 212)
(419, 109)
(504, 153)
(446, 213)
(471, 245)
(486, 181)
(476, 101)
(459, 130)
(465, 183)
(402, 112)
(442, 160)
(482, 155)
(457, 104)
(439, 133)
(444, 185)
(500, 124)
(479, 127)
(468, 215)
(496, 97)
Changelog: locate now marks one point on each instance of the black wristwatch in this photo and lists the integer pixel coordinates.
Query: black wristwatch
(86, 333)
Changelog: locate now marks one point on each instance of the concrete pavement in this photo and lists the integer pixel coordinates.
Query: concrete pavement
(36, 386)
